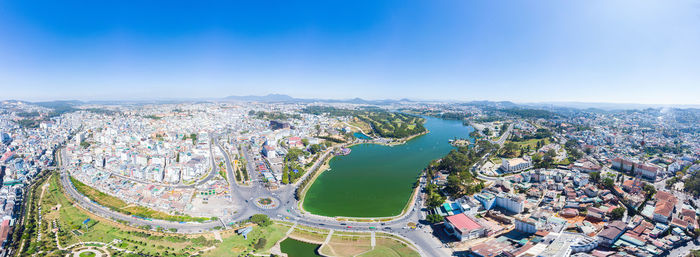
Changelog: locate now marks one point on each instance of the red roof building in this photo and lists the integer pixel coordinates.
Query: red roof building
(464, 227)
(665, 203)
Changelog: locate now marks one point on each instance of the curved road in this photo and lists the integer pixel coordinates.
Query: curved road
(242, 198)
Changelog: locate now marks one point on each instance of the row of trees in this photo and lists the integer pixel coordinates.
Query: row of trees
(300, 189)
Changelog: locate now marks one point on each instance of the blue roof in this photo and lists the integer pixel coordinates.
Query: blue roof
(447, 207)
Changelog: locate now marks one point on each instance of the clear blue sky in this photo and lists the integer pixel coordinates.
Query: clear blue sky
(523, 51)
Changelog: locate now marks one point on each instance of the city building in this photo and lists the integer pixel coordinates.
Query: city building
(515, 164)
(464, 227)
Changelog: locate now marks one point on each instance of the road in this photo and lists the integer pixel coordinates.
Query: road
(505, 136)
(500, 142)
(190, 227)
(428, 244)
(243, 198)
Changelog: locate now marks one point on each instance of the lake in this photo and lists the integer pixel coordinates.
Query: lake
(296, 248)
(377, 180)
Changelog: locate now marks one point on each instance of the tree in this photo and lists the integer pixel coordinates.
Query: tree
(261, 243)
(434, 218)
(285, 175)
(649, 191)
(609, 183)
(260, 219)
(510, 149)
(454, 185)
(595, 176)
(435, 200)
(617, 213)
(293, 154)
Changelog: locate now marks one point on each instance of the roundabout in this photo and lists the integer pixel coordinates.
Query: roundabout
(267, 203)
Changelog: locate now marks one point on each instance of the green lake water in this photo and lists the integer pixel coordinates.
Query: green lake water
(296, 248)
(377, 180)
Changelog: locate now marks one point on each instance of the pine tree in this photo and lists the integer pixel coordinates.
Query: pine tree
(285, 176)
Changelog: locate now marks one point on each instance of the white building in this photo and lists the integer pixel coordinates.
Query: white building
(527, 226)
(510, 202)
(515, 164)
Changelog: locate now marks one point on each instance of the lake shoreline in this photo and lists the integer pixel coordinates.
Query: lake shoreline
(377, 183)
(326, 166)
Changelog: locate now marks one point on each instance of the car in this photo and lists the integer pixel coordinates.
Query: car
(372, 228)
(387, 228)
(349, 226)
(343, 224)
(383, 224)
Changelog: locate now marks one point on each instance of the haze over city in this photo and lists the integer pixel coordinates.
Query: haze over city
(543, 51)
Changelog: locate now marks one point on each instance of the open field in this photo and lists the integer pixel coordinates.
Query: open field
(118, 205)
(389, 247)
(236, 245)
(341, 245)
(531, 142)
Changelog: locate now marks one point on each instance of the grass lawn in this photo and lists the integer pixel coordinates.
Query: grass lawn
(118, 205)
(71, 218)
(347, 245)
(236, 245)
(532, 143)
(565, 161)
(318, 237)
(389, 247)
(87, 254)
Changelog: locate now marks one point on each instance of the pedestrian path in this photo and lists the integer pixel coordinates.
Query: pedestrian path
(217, 236)
(328, 238)
(291, 229)
(374, 241)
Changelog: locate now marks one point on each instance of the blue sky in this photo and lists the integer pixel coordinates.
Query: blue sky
(522, 51)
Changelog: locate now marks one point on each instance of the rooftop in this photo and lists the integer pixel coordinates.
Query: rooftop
(463, 222)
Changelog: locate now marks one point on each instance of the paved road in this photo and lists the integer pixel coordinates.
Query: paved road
(428, 244)
(107, 213)
(500, 142)
(242, 197)
(505, 135)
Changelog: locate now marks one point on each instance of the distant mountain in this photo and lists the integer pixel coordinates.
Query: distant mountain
(610, 106)
(265, 98)
(285, 98)
(496, 104)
